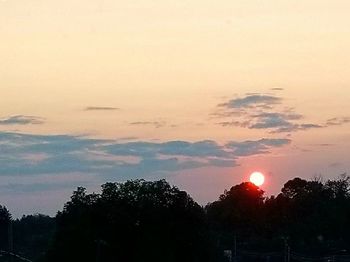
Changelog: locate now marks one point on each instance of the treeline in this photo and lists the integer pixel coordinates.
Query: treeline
(153, 221)
(29, 236)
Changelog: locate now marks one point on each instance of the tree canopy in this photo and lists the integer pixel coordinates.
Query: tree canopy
(132, 221)
(153, 221)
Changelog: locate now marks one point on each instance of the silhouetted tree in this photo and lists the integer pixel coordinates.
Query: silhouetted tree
(5, 220)
(132, 221)
(306, 213)
(32, 235)
(312, 215)
(153, 221)
(237, 213)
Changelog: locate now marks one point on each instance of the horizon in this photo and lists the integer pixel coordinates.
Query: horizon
(201, 94)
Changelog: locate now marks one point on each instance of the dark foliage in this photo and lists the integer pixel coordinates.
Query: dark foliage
(311, 216)
(32, 235)
(153, 221)
(134, 221)
(5, 219)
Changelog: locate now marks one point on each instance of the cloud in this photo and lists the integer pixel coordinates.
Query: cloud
(262, 146)
(199, 149)
(244, 124)
(274, 142)
(101, 108)
(323, 145)
(273, 120)
(21, 120)
(53, 165)
(337, 121)
(24, 154)
(156, 124)
(309, 126)
(266, 112)
(253, 100)
(296, 127)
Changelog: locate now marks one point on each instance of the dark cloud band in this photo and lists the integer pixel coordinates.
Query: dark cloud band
(24, 154)
(22, 120)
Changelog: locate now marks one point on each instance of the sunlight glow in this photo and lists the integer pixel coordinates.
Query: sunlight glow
(257, 178)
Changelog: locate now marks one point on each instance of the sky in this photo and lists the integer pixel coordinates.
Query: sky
(200, 93)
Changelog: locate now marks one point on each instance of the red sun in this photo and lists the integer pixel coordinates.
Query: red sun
(257, 178)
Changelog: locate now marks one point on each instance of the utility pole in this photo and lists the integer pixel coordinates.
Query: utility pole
(98, 250)
(286, 250)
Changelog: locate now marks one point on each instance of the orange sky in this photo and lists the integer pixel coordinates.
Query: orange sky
(158, 71)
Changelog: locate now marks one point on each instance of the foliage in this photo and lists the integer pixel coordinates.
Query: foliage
(5, 218)
(133, 221)
(312, 215)
(32, 235)
(153, 221)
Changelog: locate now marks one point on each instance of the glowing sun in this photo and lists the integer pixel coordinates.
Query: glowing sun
(257, 178)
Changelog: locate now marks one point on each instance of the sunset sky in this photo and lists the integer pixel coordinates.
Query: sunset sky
(201, 93)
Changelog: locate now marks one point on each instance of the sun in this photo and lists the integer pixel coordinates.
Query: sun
(257, 178)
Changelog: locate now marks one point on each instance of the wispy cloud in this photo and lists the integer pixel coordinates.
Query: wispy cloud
(156, 124)
(277, 89)
(274, 120)
(21, 120)
(337, 121)
(253, 100)
(323, 145)
(101, 108)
